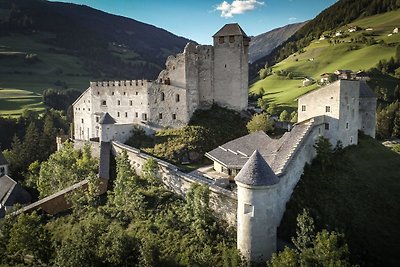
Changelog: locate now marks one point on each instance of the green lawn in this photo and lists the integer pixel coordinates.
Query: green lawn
(14, 101)
(359, 195)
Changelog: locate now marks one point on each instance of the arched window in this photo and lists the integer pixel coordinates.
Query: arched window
(162, 96)
(104, 103)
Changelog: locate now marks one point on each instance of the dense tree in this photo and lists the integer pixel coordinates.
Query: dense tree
(321, 249)
(262, 103)
(65, 168)
(284, 116)
(324, 152)
(293, 117)
(260, 122)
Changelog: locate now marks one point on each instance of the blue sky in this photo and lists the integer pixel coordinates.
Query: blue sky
(200, 19)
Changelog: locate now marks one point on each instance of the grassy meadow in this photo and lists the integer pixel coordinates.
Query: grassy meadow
(23, 79)
(322, 56)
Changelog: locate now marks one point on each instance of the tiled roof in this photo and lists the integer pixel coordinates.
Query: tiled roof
(230, 29)
(106, 119)
(3, 160)
(276, 152)
(256, 172)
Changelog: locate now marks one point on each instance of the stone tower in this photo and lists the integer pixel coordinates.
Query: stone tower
(256, 213)
(230, 79)
(106, 128)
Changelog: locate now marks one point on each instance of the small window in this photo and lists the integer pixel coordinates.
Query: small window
(104, 103)
(177, 98)
(83, 108)
(225, 66)
(97, 118)
(117, 114)
(231, 39)
(126, 114)
(119, 102)
(98, 92)
(89, 109)
(144, 116)
(160, 116)
(347, 125)
(136, 114)
(82, 120)
(174, 116)
(136, 93)
(221, 39)
(303, 108)
(351, 139)
(88, 101)
(326, 126)
(124, 93)
(130, 103)
(162, 96)
(327, 109)
(112, 93)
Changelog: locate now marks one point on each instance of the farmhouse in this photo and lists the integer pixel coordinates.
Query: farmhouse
(194, 79)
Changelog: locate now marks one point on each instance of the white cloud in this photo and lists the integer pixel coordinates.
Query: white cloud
(237, 7)
(292, 19)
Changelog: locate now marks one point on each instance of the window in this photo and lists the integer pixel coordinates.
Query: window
(97, 118)
(136, 93)
(162, 96)
(160, 116)
(112, 93)
(136, 114)
(326, 126)
(174, 116)
(82, 120)
(327, 109)
(130, 103)
(98, 92)
(2, 170)
(221, 39)
(225, 66)
(303, 108)
(118, 114)
(124, 93)
(231, 39)
(347, 125)
(89, 109)
(351, 139)
(103, 103)
(177, 98)
(144, 116)
(126, 114)
(119, 103)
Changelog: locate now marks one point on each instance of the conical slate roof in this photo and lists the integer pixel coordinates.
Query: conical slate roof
(256, 172)
(106, 119)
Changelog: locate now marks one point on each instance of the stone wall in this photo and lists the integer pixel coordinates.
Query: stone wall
(223, 202)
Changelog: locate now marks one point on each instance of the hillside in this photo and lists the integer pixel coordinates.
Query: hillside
(359, 195)
(261, 45)
(337, 15)
(51, 44)
(359, 50)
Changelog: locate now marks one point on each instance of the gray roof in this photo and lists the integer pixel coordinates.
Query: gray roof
(106, 119)
(6, 183)
(230, 29)
(276, 152)
(3, 160)
(256, 172)
(11, 193)
(365, 91)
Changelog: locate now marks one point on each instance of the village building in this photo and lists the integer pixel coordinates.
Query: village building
(3, 164)
(307, 81)
(197, 78)
(396, 30)
(11, 193)
(343, 74)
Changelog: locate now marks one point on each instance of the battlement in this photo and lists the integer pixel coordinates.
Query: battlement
(130, 83)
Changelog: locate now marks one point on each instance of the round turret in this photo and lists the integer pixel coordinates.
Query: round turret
(256, 213)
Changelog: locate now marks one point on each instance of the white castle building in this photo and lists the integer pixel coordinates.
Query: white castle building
(195, 79)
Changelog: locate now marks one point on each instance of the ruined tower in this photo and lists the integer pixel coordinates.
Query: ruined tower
(230, 79)
(256, 212)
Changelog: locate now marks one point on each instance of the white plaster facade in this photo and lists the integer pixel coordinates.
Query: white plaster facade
(196, 78)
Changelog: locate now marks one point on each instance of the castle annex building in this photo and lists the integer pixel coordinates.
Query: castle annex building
(194, 79)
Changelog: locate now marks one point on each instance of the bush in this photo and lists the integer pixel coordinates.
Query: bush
(260, 122)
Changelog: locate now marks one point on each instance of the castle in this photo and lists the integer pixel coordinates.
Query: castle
(195, 79)
(265, 170)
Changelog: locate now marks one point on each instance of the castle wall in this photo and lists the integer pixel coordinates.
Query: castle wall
(349, 110)
(223, 202)
(368, 116)
(83, 129)
(206, 70)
